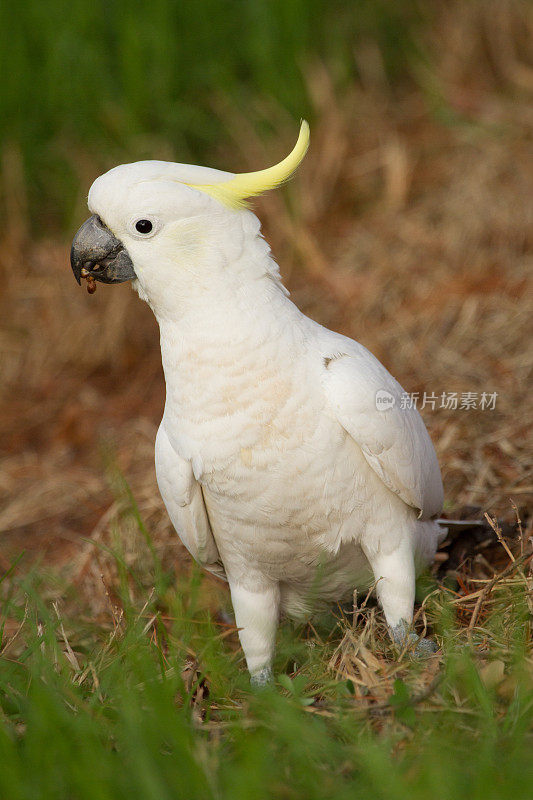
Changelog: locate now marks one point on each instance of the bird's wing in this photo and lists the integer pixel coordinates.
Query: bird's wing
(184, 501)
(367, 401)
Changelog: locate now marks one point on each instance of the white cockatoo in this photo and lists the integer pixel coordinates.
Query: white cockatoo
(285, 458)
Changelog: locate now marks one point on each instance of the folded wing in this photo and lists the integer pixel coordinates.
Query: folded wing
(367, 402)
(184, 501)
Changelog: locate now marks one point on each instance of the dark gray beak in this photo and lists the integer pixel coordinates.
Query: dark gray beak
(97, 255)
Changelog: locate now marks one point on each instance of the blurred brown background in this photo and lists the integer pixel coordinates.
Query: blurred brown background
(409, 228)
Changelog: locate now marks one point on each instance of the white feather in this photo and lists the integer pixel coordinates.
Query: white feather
(275, 466)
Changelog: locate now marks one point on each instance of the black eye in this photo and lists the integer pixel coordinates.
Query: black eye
(143, 226)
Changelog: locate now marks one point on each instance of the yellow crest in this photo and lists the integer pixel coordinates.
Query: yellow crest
(237, 190)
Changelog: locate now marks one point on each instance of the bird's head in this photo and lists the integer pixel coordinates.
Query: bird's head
(151, 218)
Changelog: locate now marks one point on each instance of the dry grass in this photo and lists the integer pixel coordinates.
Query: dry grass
(411, 235)
(495, 570)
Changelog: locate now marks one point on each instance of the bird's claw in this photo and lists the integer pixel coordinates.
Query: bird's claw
(425, 648)
(261, 678)
(407, 640)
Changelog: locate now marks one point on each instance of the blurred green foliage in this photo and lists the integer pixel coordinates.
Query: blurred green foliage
(116, 716)
(112, 80)
(156, 705)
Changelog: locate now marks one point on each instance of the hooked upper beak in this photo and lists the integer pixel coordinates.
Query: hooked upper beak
(98, 255)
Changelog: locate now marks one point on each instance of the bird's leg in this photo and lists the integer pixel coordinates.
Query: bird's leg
(257, 616)
(395, 576)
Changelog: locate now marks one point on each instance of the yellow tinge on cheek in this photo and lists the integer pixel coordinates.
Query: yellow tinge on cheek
(186, 234)
(186, 241)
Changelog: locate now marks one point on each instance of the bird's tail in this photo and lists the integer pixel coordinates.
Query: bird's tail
(461, 524)
(454, 527)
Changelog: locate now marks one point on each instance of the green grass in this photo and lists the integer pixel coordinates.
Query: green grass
(113, 713)
(96, 83)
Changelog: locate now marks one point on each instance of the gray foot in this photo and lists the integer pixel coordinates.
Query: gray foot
(407, 640)
(261, 678)
(425, 647)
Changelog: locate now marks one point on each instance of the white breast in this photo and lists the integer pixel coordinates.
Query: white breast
(282, 481)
